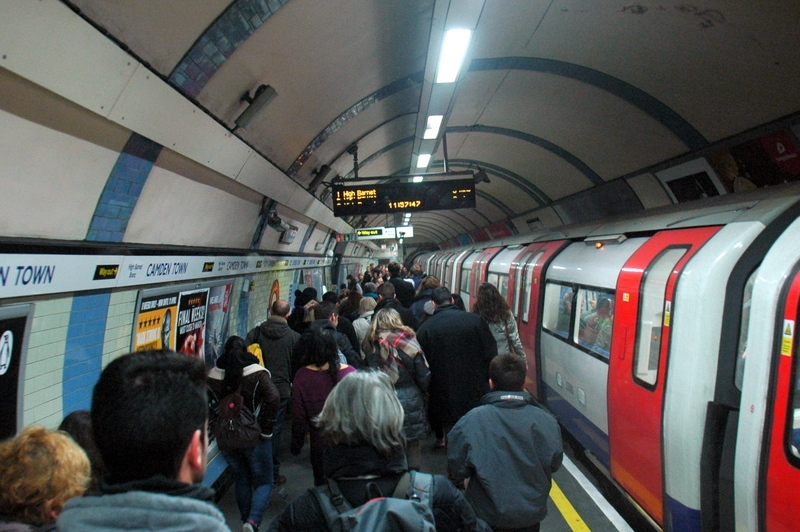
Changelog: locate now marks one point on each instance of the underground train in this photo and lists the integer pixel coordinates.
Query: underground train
(665, 345)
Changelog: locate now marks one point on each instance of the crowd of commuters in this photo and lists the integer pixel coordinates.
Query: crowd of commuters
(364, 374)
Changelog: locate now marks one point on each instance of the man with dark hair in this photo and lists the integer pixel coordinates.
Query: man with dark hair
(387, 299)
(508, 429)
(459, 347)
(327, 317)
(149, 421)
(343, 324)
(404, 290)
(278, 343)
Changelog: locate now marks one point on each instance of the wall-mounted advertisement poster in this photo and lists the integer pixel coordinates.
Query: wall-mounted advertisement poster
(191, 325)
(155, 325)
(219, 298)
(12, 336)
(189, 319)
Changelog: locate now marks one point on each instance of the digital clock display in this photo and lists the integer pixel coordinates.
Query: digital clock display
(403, 197)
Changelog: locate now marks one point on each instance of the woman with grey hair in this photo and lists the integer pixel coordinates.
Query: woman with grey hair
(362, 421)
(393, 348)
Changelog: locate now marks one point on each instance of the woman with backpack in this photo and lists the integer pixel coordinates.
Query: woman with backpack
(363, 421)
(393, 348)
(311, 386)
(493, 308)
(236, 381)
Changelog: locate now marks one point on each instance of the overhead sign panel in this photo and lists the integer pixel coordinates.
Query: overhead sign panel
(375, 233)
(403, 197)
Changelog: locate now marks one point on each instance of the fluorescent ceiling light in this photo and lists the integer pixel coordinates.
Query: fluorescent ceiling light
(432, 127)
(423, 159)
(417, 179)
(454, 48)
(405, 223)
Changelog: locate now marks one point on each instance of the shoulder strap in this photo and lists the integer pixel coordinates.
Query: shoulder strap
(330, 509)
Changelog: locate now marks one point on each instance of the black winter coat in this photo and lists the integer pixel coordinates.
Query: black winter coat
(406, 316)
(414, 376)
(278, 343)
(459, 347)
(403, 290)
(450, 509)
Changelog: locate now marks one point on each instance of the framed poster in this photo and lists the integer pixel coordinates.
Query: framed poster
(691, 181)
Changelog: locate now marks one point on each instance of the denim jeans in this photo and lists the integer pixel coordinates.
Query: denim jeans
(252, 473)
(277, 430)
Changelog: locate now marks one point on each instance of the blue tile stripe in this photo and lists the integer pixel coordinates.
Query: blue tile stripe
(633, 95)
(122, 190)
(225, 35)
(83, 354)
(309, 231)
(414, 80)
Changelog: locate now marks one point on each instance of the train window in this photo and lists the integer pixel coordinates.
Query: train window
(465, 280)
(502, 286)
(493, 279)
(593, 329)
(653, 315)
(792, 437)
(518, 282)
(558, 303)
(524, 285)
(745, 322)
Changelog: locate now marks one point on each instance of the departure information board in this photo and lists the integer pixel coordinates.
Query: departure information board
(389, 198)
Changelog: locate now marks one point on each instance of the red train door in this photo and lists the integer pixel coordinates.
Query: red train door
(525, 289)
(783, 453)
(480, 268)
(643, 309)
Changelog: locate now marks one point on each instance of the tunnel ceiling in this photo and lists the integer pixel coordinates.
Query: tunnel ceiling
(554, 98)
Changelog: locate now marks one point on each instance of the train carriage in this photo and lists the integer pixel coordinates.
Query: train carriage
(638, 333)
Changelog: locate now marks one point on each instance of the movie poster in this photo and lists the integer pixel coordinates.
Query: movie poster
(217, 319)
(191, 325)
(155, 326)
(12, 332)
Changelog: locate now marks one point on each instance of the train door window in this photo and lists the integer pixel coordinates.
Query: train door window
(519, 281)
(596, 311)
(528, 286)
(652, 316)
(465, 280)
(741, 349)
(792, 442)
(557, 310)
(502, 286)
(492, 279)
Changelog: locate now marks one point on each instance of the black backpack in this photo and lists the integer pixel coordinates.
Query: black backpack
(235, 426)
(409, 508)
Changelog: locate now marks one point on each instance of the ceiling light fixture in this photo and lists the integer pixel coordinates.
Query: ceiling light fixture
(432, 126)
(423, 159)
(454, 48)
(417, 179)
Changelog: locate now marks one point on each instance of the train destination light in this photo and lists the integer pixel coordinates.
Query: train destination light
(389, 198)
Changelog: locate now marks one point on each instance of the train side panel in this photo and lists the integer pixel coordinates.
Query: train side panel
(692, 368)
(763, 345)
(526, 283)
(639, 357)
(574, 366)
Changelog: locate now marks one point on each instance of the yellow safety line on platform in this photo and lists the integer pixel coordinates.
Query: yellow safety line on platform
(567, 510)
